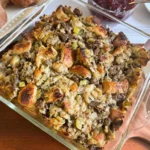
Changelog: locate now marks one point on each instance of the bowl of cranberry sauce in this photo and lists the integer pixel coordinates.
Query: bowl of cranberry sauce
(118, 8)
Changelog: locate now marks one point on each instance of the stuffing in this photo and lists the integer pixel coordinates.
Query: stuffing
(75, 74)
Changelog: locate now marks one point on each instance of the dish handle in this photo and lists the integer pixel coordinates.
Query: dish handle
(140, 125)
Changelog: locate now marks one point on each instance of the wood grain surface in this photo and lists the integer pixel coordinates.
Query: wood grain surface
(16, 133)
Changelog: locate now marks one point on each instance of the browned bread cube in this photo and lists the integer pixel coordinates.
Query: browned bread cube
(27, 95)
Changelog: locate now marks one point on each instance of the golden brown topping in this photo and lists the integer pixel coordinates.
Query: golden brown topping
(100, 69)
(66, 57)
(141, 55)
(115, 114)
(7, 91)
(45, 53)
(137, 73)
(27, 95)
(119, 50)
(82, 55)
(115, 87)
(22, 47)
(37, 74)
(53, 95)
(81, 71)
(59, 67)
(74, 87)
(56, 122)
(14, 61)
(61, 15)
(121, 40)
(98, 30)
(36, 32)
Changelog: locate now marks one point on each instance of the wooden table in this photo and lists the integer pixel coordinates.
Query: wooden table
(16, 133)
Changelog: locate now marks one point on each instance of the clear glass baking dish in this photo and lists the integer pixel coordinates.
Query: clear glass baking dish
(141, 96)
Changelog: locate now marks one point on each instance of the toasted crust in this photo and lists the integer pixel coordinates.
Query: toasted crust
(66, 57)
(137, 75)
(142, 56)
(59, 67)
(115, 114)
(74, 87)
(37, 74)
(27, 95)
(115, 87)
(61, 15)
(100, 69)
(82, 56)
(98, 30)
(81, 71)
(36, 32)
(56, 122)
(119, 50)
(120, 40)
(45, 53)
(22, 47)
(53, 95)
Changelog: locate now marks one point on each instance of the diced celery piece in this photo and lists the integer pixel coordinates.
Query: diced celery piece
(38, 95)
(79, 123)
(91, 40)
(81, 32)
(78, 97)
(126, 103)
(57, 47)
(22, 84)
(76, 30)
(83, 82)
(74, 45)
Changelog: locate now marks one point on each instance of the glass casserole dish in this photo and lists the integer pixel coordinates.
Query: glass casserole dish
(121, 133)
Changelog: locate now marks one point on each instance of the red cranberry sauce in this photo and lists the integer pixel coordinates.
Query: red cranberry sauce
(115, 4)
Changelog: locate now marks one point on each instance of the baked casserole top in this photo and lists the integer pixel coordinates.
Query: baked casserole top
(76, 74)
